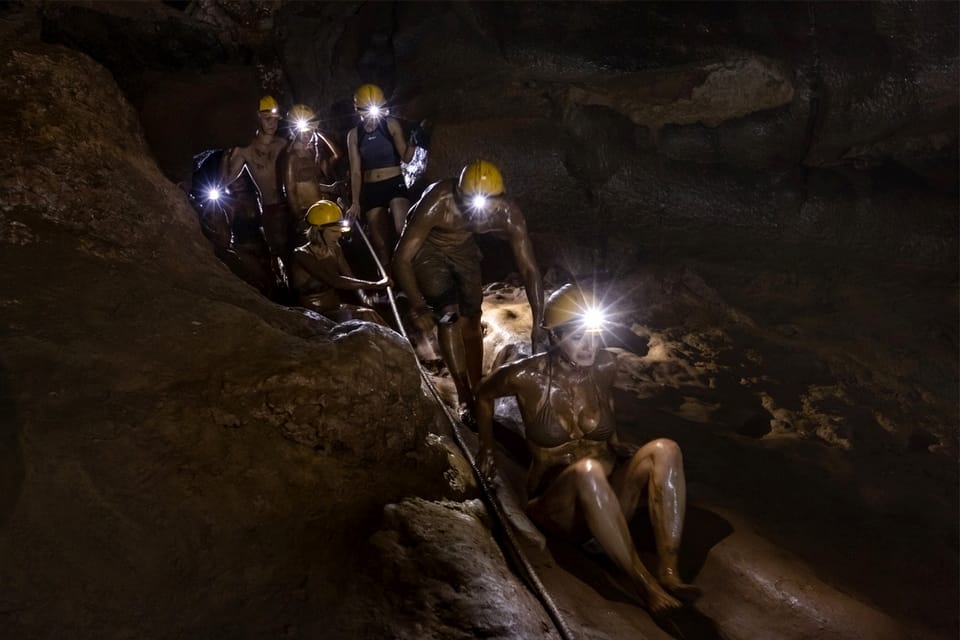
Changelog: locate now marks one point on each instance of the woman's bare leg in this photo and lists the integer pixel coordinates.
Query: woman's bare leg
(657, 470)
(583, 488)
(381, 235)
(398, 211)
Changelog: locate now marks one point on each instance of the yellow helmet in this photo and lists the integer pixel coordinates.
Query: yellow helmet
(569, 304)
(267, 103)
(302, 117)
(480, 178)
(368, 95)
(325, 213)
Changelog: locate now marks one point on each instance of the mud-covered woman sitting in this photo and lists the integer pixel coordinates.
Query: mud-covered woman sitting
(582, 482)
(319, 268)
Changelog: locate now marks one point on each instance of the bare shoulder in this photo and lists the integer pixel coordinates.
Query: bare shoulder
(515, 376)
(393, 125)
(302, 252)
(241, 151)
(510, 215)
(533, 365)
(433, 196)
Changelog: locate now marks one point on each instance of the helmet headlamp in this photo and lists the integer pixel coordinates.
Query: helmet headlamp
(593, 320)
(571, 310)
(478, 201)
(343, 226)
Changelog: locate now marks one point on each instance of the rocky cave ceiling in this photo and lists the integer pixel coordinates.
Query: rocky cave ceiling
(771, 187)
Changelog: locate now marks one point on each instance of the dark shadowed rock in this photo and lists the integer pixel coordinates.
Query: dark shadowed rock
(445, 578)
(155, 407)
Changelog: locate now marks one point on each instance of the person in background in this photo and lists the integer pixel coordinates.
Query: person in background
(307, 165)
(376, 147)
(260, 158)
(437, 265)
(582, 481)
(319, 269)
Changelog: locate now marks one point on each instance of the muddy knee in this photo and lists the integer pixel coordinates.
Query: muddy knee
(666, 449)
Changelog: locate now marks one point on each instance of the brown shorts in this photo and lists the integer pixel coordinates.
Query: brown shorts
(451, 276)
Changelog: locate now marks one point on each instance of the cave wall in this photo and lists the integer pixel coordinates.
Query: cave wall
(156, 442)
(178, 456)
(689, 126)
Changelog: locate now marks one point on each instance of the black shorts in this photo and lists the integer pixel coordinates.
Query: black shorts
(451, 276)
(379, 194)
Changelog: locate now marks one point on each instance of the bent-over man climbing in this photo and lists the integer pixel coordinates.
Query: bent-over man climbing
(437, 265)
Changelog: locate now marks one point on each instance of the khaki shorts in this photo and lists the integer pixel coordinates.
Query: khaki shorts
(451, 276)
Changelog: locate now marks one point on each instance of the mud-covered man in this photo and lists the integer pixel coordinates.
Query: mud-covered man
(260, 158)
(437, 264)
(582, 481)
(307, 165)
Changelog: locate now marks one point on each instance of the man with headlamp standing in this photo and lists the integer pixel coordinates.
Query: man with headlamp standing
(437, 264)
(260, 158)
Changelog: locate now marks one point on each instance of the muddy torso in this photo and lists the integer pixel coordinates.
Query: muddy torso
(567, 414)
(261, 159)
(312, 290)
(454, 222)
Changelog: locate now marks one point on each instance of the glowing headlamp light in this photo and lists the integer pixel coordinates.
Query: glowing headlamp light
(478, 201)
(373, 111)
(303, 125)
(594, 320)
(213, 194)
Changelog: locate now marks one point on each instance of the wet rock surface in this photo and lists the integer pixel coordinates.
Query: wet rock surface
(449, 579)
(813, 503)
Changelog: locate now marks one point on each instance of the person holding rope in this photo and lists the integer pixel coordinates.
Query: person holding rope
(320, 269)
(437, 265)
(582, 481)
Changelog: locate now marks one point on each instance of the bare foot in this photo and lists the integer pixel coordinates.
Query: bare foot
(660, 602)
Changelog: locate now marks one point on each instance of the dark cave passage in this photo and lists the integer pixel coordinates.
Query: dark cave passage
(763, 194)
